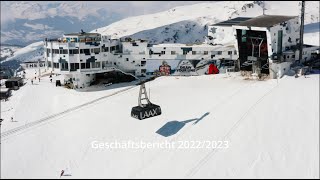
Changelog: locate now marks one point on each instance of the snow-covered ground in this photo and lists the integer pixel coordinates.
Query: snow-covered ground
(46, 99)
(272, 130)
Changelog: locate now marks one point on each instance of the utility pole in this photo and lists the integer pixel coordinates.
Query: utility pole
(301, 31)
(39, 67)
(0, 146)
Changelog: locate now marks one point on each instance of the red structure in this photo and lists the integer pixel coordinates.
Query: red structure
(165, 69)
(213, 69)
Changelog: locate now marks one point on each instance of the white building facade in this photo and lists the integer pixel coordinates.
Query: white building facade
(265, 44)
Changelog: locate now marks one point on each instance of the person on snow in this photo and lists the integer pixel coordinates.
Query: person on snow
(31, 81)
(65, 172)
(39, 79)
(62, 172)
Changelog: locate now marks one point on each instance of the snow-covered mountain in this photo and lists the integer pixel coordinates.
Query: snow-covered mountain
(8, 51)
(188, 24)
(28, 22)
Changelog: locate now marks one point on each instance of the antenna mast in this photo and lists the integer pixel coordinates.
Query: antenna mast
(301, 31)
(263, 7)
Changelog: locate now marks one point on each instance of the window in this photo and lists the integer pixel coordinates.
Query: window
(235, 52)
(56, 65)
(95, 64)
(83, 65)
(63, 51)
(229, 52)
(173, 52)
(293, 56)
(243, 35)
(219, 52)
(85, 51)
(96, 50)
(194, 52)
(55, 51)
(112, 48)
(163, 52)
(105, 49)
(74, 51)
(185, 52)
(72, 67)
(205, 52)
(77, 65)
(87, 65)
(64, 66)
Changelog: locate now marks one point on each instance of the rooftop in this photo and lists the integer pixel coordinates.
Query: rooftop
(82, 34)
(265, 21)
(15, 79)
(231, 22)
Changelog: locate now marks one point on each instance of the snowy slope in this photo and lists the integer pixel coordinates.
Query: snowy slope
(32, 52)
(311, 34)
(8, 51)
(188, 24)
(272, 129)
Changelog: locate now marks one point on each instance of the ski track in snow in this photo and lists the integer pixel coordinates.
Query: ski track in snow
(188, 127)
(207, 157)
(47, 119)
